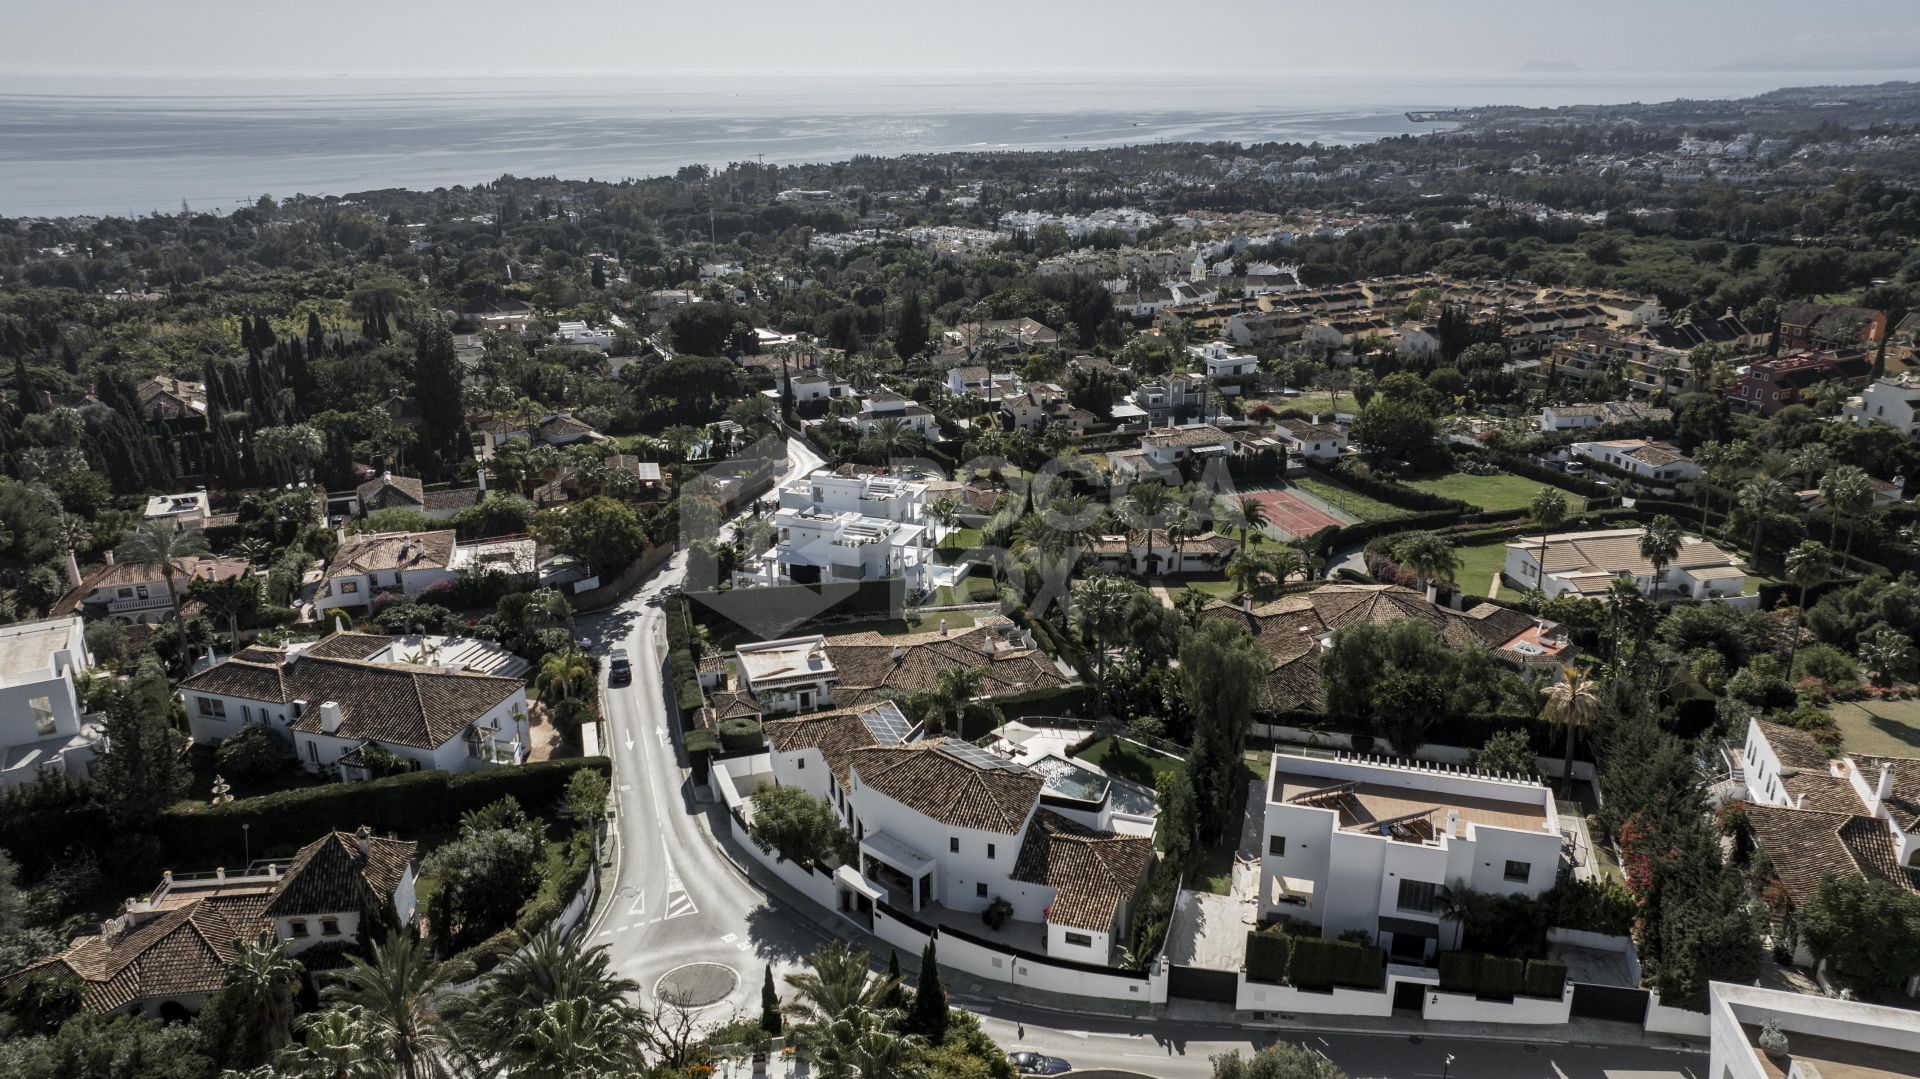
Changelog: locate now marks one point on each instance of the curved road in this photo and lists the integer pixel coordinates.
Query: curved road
(676, 900)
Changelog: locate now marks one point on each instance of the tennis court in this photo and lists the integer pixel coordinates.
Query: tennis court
(1294, 516)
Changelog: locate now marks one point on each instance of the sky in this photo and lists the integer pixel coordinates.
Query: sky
(426, 38)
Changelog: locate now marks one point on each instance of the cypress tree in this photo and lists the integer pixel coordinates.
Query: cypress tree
(769, 1005)
(929, 1014)
(27, 401)
(316, 336)
(436, 390)
(896, 995)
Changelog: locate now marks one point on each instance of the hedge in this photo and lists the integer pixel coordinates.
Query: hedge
(1394, 494)
(1331, 539)
(681, 664)
(1533, 470)
(1500, 976)
(202, 837)
(1317, 963)
(1267, 957)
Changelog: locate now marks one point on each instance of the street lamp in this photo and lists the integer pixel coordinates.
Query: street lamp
(1446, 1069)
(246, 840)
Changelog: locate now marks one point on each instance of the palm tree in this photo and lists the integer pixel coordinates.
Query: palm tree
(399, 993)
(1808, 564)
(571, 1036)
(337, 1044)
(1469, 909)
(1146, 505)
(860, 1044)
(1572, 704)
(551, 967)
(887, 438)
(956, 686)
(1100, 606)
(1849, 494)
(1660, 545)
(1548, 509)
(264, 979)
(1179, 526)
(945, 513)
(1885, 654)
(1809, 461)
(836, 980)
(564, 672)
(163, 547)
(1711, 456)
(1428, 554)
(1761, 496)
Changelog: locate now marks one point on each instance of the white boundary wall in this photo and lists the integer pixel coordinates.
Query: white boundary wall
(1664, 1020)
(1467, 1008)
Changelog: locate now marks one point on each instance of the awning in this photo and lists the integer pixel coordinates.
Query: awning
(1297, 891)
(897, 854)
(851, 877)
(1409, 927)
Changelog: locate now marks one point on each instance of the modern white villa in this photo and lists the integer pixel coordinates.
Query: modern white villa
(1362, 844)
(846, 526)
(42, 729)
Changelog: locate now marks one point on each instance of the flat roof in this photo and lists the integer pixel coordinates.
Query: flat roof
(1365, 802)
(27, 648)
(1835, 1058)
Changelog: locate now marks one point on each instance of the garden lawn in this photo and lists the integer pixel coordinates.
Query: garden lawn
(1479, 565)
(1505, 491)
(1348, 501)
(1129, 761)
(1212, 587)
(1879, 728)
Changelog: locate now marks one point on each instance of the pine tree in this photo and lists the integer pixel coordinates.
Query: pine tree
(929, 1014)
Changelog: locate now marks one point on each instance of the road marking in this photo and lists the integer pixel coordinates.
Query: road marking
(679, 905)
(729, 938)
(743, 945)
(625, 787)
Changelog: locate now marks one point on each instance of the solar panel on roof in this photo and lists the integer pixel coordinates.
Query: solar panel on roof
(978, 757)
(889, 726)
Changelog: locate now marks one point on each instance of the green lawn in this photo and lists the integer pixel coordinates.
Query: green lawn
(1505, 491)
(1129, 761)
(1347, 501)
(1214, 587)
(1479, 565)
(1879, 728)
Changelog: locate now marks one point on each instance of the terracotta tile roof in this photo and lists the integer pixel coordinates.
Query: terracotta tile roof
(395, 703)
(128, 574)
(1903, 805)
(345, 645)
(372, 552)
(835, 734)
(1617, 551)
(1794, 747)
(1092, 873)
(1806, 845)
(1204, 434)
(457, 498)
(932, 781)
(390, 492)
(866, 665)
(181, 951)
(334, 875)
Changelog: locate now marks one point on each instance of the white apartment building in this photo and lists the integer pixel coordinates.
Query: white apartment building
(1892, 401)
(335, 696)
(850, 491)
(1589, 563)
(42, 728)
(1654, 461)
(1358, 844)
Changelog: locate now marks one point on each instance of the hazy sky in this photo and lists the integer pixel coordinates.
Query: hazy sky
(438, 37)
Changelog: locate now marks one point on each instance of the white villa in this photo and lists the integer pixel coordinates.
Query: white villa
(882, 405)
(1311, 438)
(333, 697)
(1589, 563)
(1223, 362)
(1358, 844)
(1893, 401)
(846, 526)
(1826, 1037)
(1657, 461)
(183, 511)
(42, 728)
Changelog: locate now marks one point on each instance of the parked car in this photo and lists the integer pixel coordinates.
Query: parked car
(619, 669)
(1038, 1064)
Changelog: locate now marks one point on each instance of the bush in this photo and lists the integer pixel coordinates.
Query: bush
(1267, 957)
(255, 754)
(1829, 665)
(997, 913)
(1319, 964)
(741, 734)
(1593, 906)
(1482, 975)
(1544, 978)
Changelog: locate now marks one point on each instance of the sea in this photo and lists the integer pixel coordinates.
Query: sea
(98, 146)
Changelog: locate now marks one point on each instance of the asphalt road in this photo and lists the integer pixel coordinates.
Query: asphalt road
(675, 900)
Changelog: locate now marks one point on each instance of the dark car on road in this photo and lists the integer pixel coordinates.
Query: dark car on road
(1038, 1064)
(619, 670)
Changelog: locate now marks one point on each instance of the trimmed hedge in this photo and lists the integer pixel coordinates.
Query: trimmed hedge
(1267, 957)
(1330, 539)
(1500, 976)
(1394, 494)
(1317, 963)
(202, 837)
(681, 665)
(1533, 470)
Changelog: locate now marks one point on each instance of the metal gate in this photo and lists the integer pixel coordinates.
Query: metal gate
(1409, 996)
(1200, 983)
(1616, 1002)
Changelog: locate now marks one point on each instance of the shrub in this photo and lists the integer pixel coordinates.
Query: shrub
(997, 913)
(1544, 978)
(1594, 906)
(1829, 665)
(255, 754)
(1317, 963)
(741, 734)
(1267, 957)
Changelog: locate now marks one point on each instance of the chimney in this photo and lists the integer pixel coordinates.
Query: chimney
(1453, 822)
(1885, 790)
(73, 570)
(365, 835)
(897, 653)
(1246, 604)
(480, 476)
(330, 717)
(986, 645)
(1800, 800)
(109, 557)
(943, 627)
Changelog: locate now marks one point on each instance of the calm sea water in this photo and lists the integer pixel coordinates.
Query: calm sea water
(127, 146)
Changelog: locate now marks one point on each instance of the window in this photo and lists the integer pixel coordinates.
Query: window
(298, 927)
(313, 751)
(1083, 940)
(349, 587)
(213, 706)
(246, 714)
(953, 845)
(42, 715)
(1277, 846)
(980, 889)
(124, 593)
(990, 852)
(1519, 870)
(801, 764)
(329, 927)
(1417, 895)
